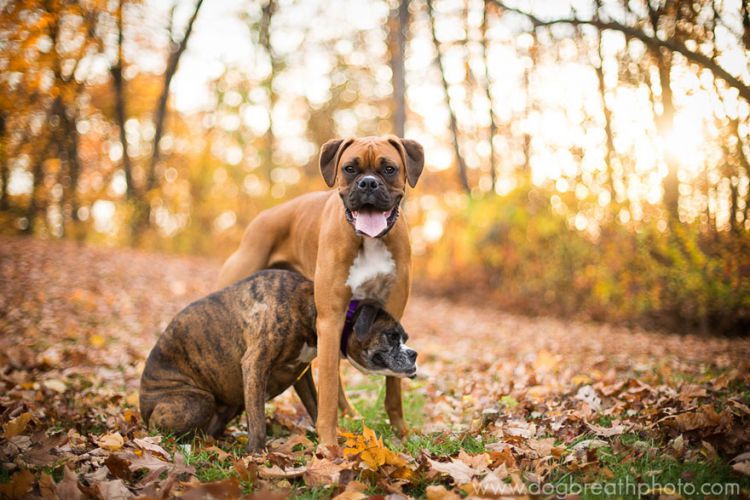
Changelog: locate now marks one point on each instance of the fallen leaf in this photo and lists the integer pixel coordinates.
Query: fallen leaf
(246, 473)
(704, 417)
(478, 462)
(20, 483)
(324, 471)
(587, 394)
(55, 385)
(354, 490)
(112, 490)
(227, 489)
(119, 467)
(111, 442)
(97, 340)
(151, 444)
(456, 469)
(17, 425)
(494, 485)
(370, 449)
(276, 472)
(220, 454)
(68, 488)
(742, 467)
(441, 493)
(599, 430)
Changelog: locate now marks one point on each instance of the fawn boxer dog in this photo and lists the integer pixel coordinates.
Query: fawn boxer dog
(245, 344)
(351, 242)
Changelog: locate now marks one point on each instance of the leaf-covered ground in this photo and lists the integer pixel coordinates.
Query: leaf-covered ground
(504, 405)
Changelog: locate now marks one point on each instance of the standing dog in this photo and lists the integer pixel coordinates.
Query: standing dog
(245, 344)
(350, 241)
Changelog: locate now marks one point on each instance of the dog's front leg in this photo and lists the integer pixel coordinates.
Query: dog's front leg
(331, 301)
(255, 380)
(395, 306)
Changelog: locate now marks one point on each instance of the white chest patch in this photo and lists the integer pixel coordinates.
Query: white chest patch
(372, 272)
(307, 353)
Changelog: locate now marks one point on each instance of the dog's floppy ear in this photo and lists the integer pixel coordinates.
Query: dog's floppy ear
(412, 155)
(365, 318)
(329, 158)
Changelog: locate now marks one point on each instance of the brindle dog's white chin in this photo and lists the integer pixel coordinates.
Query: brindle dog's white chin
(384, 372)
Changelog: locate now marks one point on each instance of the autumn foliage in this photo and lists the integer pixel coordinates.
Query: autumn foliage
(591, 164)
(503, 405)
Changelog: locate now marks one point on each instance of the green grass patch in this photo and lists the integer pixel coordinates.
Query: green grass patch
(639, 467)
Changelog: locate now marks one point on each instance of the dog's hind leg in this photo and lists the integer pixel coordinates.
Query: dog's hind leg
(254, 252)
(222, 416)
(183, 412)
(305, 389)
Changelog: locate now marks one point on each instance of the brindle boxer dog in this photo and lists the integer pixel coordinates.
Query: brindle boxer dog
(245, 344)
(350, 241)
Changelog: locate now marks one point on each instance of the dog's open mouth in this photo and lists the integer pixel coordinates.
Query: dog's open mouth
(370, 222)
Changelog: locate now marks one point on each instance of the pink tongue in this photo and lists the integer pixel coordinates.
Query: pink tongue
(371, 223)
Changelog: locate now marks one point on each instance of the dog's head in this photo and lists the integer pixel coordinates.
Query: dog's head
(371, 174)
(376, 344)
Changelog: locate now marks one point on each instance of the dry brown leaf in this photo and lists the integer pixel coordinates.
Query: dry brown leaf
(151, 443)
(478, 462)
(220, 454)
(742, 468)
(276, 472)
(55, 385)
(494, 485)
(287, 445)
(17, 425)
(704, 417)
(354, 490)
(601, 431)
(111, 442)
(460, 472)
(227, 489)
(20, 483)
(441, 493)
(119, 466)
(113, 490)
(324, 471)
(68, 488)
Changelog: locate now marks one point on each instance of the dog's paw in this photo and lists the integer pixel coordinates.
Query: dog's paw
(255, 445)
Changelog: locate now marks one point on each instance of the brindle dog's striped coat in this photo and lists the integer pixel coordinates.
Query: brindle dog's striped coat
(246, 344)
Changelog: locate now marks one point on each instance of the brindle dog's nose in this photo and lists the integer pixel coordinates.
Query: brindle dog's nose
(411, 354)
(368, 184)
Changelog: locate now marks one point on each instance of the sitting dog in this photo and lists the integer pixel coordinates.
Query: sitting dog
(245, 344)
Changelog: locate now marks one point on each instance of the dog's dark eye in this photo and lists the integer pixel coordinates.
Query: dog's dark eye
(349, 169)
(389, 170)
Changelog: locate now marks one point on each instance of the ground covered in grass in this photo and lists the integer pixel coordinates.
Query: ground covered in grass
(503, 405)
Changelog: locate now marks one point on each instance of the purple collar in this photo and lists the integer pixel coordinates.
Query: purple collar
(348, 324)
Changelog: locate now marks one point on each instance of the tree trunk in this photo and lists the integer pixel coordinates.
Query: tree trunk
(488, 93)
(664, 122)
(4, 171)
(176, 51)
(142, 208)
(74, 173)
(264, 36)
(609, 148)
(462, 174)
(120, 113)
(399, 24)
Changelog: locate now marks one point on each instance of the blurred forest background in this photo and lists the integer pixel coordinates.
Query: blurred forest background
(585, 158)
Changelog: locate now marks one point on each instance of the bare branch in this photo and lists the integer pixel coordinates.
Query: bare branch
(176, 51)
(650, 41)
(119, 87)
(453, 121)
